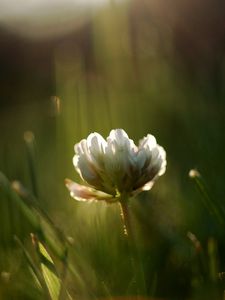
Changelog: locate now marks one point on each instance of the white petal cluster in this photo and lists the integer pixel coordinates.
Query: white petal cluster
(116, 166)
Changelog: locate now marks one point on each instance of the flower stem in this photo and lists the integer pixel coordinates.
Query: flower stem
(134, 253)
(126, 220)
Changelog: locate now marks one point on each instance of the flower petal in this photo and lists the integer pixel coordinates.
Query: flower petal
(96, 143)
(85, 193)
(155, 163)
(145, 187)
(157, 166)
(156, 154)
(141, 158)
(96, 148)
(162, 153)
(85, 169)
(119, 136)
(84, 162)
(148, 142)
(81, 147)
(120, 153)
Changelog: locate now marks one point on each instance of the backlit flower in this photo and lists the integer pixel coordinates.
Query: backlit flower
(115, 166)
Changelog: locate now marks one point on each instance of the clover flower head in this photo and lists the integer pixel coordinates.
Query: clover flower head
(115, 166)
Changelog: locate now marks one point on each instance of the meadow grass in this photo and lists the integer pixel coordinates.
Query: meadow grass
(52, 247)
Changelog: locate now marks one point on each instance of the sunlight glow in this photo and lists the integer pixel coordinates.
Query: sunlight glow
(41, 18)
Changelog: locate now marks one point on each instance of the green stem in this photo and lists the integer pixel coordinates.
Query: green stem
(135, 256)
(211, 205)
(126, 220)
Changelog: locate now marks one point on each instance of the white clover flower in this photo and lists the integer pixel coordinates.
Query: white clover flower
(116, 166)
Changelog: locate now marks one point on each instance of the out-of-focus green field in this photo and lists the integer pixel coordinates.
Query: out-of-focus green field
(133, 78)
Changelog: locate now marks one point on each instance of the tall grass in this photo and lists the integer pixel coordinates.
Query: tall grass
(55, 248)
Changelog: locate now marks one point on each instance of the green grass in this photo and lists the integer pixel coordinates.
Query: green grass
(81, 247)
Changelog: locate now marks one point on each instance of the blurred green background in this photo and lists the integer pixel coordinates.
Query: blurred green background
(145, 66)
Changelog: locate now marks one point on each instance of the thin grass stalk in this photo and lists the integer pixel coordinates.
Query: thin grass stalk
(31, 158)
(63, 277)
(213, 207)
(34, 268)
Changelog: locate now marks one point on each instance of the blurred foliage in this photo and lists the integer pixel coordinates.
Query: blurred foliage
(130, 68)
